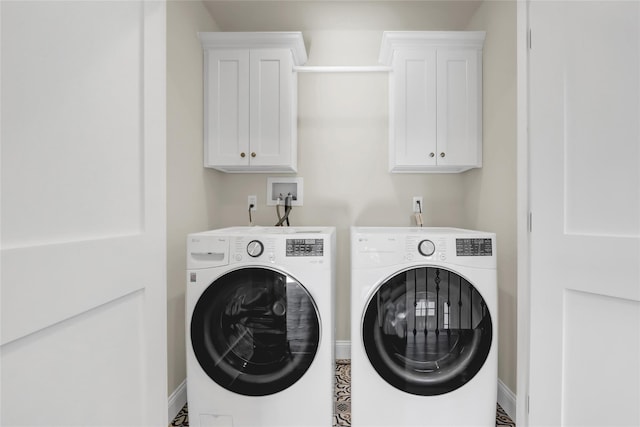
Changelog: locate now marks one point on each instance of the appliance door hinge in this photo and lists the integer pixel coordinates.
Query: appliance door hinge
(529, 43)
(530, 222)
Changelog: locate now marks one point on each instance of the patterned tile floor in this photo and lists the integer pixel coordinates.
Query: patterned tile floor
(342, 412)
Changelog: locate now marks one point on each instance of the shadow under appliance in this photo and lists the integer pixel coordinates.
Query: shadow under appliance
(423, 327)
(259, 316)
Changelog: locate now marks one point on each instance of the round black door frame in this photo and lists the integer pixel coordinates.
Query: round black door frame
(471, 354)
(228, 369)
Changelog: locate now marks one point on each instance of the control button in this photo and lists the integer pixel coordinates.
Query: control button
(238, 257)
(409, 257)
(426, 248)
(443, 256)
(255, 248)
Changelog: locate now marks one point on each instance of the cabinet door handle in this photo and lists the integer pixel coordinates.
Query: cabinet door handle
(253, 154)
(242, 155)
(442, 154)
(432, 154)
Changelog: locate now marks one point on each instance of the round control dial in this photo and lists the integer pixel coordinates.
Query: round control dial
(426, 248)
(255, 248)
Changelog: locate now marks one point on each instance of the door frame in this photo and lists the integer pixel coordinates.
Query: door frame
(523, 220)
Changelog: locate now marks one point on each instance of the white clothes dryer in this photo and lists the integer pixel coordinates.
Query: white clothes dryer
(260, 328)
(423, 327)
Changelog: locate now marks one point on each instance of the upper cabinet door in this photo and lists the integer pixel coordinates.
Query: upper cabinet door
(413, 115)
(273, 112)
(226, 108)
(435, 96)
(459, 108)
(251, 100)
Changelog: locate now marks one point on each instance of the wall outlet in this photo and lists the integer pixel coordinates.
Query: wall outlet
(417, 205)
(252, 200)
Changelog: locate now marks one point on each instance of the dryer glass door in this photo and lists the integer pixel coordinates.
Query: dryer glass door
(255, 331)
(427, 331)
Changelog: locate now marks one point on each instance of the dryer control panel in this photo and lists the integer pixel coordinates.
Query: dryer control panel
(383, 246)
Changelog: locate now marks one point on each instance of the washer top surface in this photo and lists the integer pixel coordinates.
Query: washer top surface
(257, 230)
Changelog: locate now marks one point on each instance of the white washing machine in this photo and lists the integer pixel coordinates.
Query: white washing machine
(423, 327)
(260, 328)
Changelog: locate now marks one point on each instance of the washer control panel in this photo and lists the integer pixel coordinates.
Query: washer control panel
(272, 250)
(312, 247)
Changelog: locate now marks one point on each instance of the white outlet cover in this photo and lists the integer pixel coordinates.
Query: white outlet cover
(252, 200)
(414, 204)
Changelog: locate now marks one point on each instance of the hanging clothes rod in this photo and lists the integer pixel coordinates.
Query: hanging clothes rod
(342, 69)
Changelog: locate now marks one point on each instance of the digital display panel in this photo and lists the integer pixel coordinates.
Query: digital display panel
(305, 247)
(474, 247)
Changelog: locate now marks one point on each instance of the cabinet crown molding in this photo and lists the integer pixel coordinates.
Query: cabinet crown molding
(393, 40)
(291, 40)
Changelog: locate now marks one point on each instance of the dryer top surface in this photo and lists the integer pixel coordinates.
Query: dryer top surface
(420, 231)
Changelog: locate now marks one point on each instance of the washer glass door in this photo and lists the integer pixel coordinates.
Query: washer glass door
(427, 331)
(255, 331)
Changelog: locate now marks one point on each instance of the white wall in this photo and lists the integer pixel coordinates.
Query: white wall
(490, 192)
(189, 186)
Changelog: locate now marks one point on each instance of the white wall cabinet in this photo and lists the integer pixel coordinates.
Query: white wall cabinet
(250, 97)
(435, 100)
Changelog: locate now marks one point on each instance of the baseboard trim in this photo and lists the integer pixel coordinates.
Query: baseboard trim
(177, 400)
(507, 399)
(343, 349)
